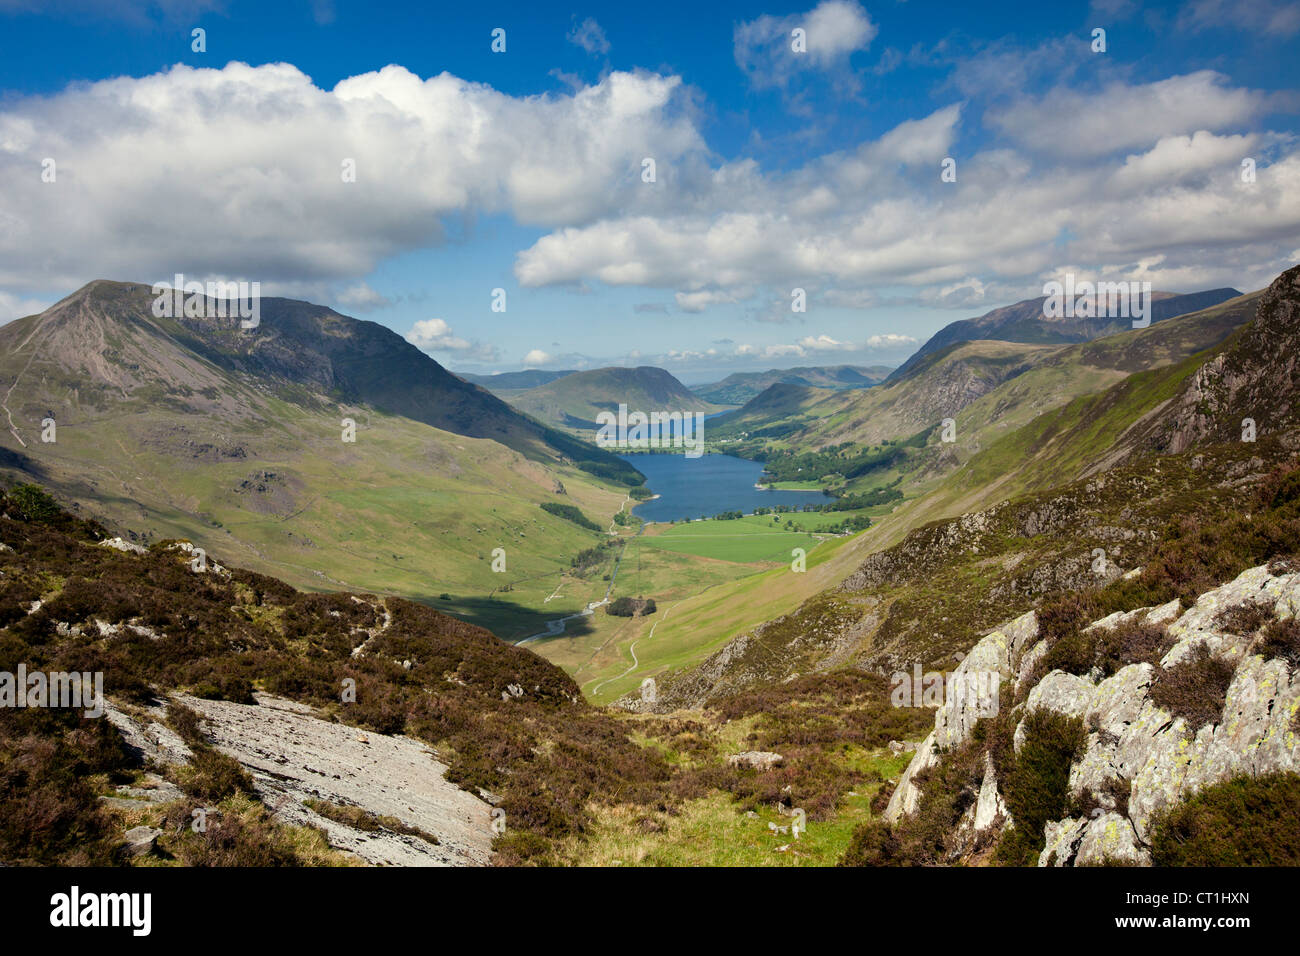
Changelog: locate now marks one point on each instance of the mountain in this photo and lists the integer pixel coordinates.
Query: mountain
(1025, 322)
(740, 387)
(514, 381)
(1039, 439)
(948, 382)
(575, 400)
(235, 439)
(988, 387)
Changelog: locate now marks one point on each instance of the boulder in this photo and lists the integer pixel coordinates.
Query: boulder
(758, 759)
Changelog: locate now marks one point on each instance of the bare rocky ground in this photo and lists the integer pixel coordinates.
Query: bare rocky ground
(294, 756)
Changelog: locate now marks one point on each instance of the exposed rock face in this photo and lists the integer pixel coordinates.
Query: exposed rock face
(294, 756)
(998, 653)
(1258, 379)
(1134, 744)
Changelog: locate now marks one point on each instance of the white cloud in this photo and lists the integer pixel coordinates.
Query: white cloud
(1124, 116)
(537, 358)
(18, 307)
(823, 343)
(252, 158)
(1272, 18)
(834, 30)
(590, 37)
(362, 298)
(435, 335)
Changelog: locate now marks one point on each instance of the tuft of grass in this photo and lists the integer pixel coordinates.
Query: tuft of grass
(361, 819)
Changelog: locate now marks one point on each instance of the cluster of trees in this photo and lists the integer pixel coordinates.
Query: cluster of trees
(570, 513)
(631, 607)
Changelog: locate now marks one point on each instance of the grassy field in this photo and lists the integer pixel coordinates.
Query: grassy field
(714, 831)
(753, 538)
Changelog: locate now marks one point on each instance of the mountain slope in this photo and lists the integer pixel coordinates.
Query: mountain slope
(235, 440)
(1025, 322)
(575, 400)
(108, 330)
(740, 387)
(514, 381)
(1073, 438)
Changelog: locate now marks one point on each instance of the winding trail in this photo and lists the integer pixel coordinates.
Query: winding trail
(632, 649)
(557, 627)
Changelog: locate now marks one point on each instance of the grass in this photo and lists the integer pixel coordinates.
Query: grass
(714, 831)
(752, 539)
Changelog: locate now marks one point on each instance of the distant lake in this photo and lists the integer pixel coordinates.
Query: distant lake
(709, 485)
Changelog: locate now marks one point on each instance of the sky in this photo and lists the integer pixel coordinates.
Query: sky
(708, 187)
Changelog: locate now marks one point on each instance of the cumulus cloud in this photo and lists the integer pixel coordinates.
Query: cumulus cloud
(536, 358)
(253, 157)
(435, 335)
(236, 173)
(1127, 116)
(833, 30)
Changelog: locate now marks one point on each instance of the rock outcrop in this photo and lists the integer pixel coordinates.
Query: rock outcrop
(1139, 760)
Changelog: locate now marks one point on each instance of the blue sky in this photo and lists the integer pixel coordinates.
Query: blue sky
(776, 169)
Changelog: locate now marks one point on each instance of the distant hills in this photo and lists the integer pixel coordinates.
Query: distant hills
(575, 400)
(1025, 322)
(739, 387)
(515, 381)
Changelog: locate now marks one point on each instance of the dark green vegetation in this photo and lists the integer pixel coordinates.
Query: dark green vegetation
(1194, 689)
(627, 606)
(1246, 821)
(1036, 780)
(570, 513)
(552, 759)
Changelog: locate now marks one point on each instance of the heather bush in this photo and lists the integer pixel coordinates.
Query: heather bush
(1245, 821)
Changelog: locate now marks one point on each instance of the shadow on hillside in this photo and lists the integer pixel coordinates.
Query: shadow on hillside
(507, 620)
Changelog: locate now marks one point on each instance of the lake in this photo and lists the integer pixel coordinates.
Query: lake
(709, 485)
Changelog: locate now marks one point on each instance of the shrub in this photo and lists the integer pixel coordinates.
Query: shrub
(33, 503)
(1282, 639)
(1037, 786)
(1245, 821)
(1194, 689)
(873, 844)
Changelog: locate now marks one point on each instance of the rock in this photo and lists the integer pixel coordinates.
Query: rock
(1110, 838)
(758, 759)
(141, 840)
(1030, 661)
(1063, 838)
(1063, 693)
(989, 807)
(293, 756)
(903, 801)
(120, 544)
(979, 674)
